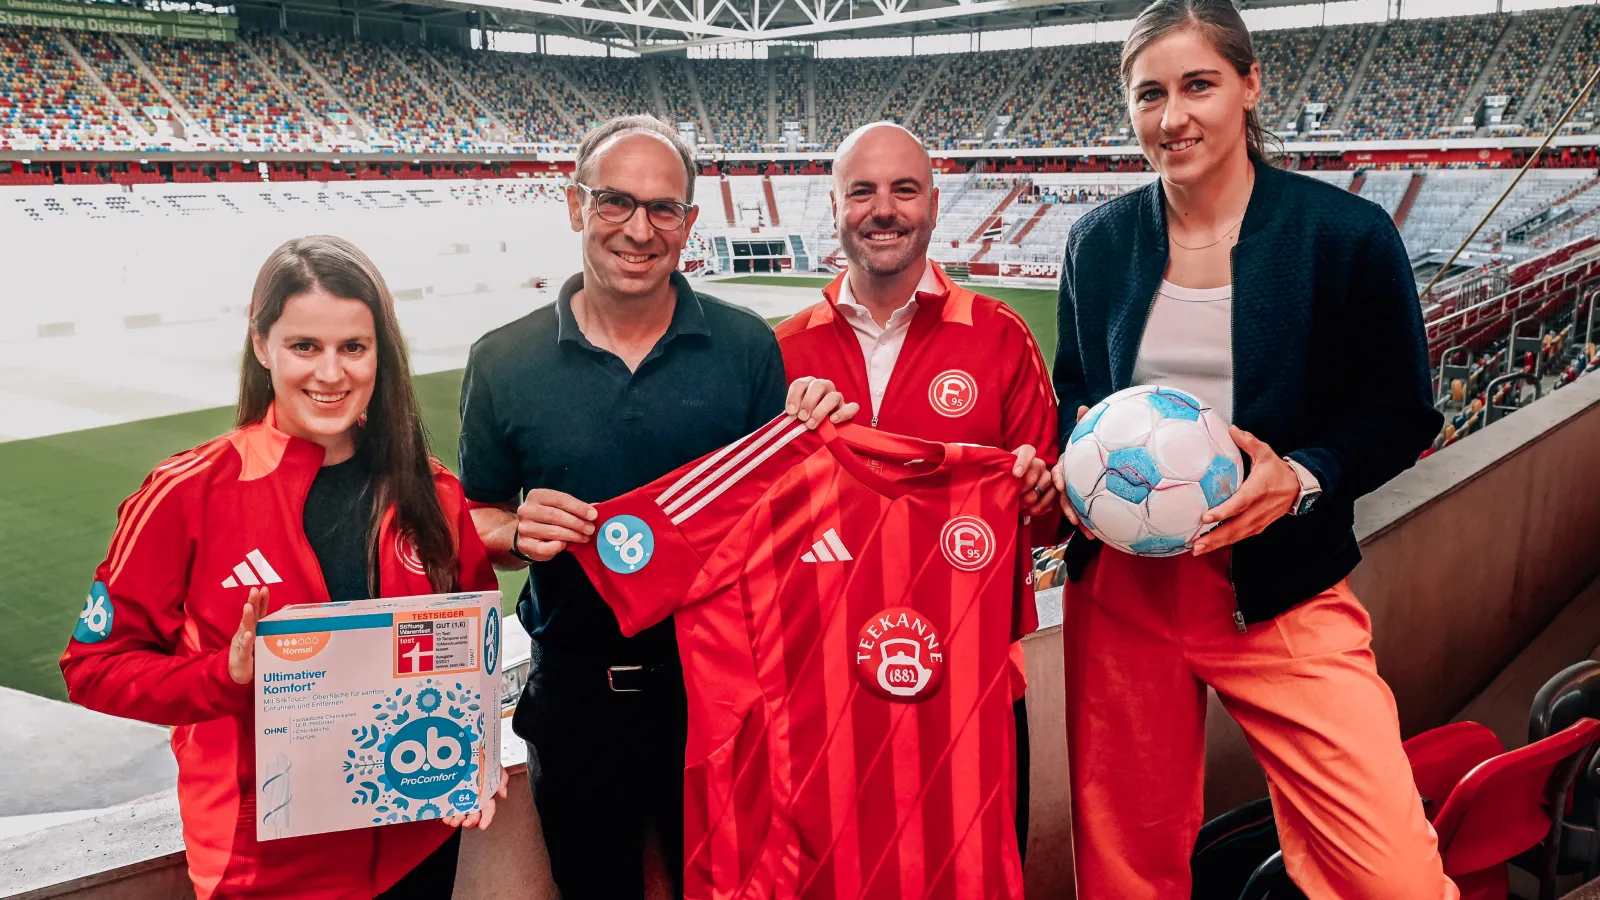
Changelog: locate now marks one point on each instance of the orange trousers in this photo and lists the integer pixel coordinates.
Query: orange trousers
(1143, 639)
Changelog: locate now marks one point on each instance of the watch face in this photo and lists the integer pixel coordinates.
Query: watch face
(1306, 503)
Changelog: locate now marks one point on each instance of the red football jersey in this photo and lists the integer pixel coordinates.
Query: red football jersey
(845, 600)
(969, 371)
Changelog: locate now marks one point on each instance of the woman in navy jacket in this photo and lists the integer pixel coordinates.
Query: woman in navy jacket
(1288, 305)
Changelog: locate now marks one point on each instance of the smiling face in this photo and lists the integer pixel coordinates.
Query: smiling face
(884, 203)
(322, 355)
(1188, 104)
(631, 258)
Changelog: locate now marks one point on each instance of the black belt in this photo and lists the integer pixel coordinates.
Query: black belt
(636, 679)
(622, 679)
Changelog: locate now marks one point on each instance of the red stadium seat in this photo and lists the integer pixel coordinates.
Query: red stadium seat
(1503, 807)
(1441, 757)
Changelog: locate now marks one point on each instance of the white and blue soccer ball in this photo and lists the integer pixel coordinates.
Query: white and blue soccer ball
(1145, 464)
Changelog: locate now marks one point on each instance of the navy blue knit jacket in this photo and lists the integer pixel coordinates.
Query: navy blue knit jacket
(1329, 357)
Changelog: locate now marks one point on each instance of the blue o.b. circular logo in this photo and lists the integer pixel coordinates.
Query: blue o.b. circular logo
(427, 758)
(94, 622)
(491, 641)
(625, 544)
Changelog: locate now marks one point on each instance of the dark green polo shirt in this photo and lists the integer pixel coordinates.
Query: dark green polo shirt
(542, 407)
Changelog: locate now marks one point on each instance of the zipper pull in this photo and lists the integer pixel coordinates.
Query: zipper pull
(874, 420)
(1238, 621)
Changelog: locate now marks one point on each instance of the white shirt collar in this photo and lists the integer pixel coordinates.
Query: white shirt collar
(929, 284)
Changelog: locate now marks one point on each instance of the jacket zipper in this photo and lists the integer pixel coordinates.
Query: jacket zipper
(1238, 613)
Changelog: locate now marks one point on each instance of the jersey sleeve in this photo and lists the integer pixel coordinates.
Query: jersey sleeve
(128, 655)
(650, 552)
(1030, 415)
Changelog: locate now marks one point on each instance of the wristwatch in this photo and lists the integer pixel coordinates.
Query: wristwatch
(1310, 489)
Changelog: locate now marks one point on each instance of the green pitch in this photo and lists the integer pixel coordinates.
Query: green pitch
(59, 497)
(58, 506)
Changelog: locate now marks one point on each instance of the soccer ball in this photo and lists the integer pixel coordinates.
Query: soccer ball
(1145, 464)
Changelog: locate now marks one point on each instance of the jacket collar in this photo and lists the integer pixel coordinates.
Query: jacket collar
(953, 301)
(262, 447)
(1257, 213)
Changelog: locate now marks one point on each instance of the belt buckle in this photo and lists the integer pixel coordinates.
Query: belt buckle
(611, 679)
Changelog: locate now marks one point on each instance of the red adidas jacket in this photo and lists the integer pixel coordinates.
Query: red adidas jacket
(152, 644)
(969, 372)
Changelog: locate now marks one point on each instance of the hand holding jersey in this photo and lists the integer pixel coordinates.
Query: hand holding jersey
(1039, 490)
(547, 521)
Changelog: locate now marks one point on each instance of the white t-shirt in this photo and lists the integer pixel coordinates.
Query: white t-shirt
(881, 345)
(1188, 344)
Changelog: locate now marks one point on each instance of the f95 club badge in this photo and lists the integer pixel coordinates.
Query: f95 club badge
(433, 642)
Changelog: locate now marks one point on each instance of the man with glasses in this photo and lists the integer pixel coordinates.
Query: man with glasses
(630, 374)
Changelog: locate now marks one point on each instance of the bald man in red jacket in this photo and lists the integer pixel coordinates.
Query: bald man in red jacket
(923, 356)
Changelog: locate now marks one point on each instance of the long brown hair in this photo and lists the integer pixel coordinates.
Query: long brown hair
(393, 436)
(1222, 25)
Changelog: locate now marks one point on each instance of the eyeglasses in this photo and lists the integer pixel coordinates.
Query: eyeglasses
(617, 207)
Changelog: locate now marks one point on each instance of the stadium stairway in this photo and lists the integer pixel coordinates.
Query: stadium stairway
(1039, 212)
(1358, 182)
(1410, 198)
(772, 200)
(993, 218)
(727, 200)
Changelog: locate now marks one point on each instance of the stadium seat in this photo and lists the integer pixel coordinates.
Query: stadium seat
(1230, 847)
(1233, 848)
(1271, 882)
(1574, 694)
(1502, 808)
(1442, 756)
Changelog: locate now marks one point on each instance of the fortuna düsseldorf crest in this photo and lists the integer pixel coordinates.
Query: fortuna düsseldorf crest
(899, 656)
(406, 551)
(953, 393)
(967, 542)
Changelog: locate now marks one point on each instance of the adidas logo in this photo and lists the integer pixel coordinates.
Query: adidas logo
(829, 549)
(244, 574)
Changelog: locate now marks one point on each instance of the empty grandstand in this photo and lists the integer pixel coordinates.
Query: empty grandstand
(275, 90)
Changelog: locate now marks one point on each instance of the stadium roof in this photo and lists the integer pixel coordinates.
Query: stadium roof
(656, 26)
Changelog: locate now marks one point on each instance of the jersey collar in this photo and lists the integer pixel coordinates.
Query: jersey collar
(953, 301)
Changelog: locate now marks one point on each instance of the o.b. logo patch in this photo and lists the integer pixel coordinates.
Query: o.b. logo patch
(427, 758)
(491, 641)
(625, 544)
(94, 622)
(899, 656)
(953, 393)
(967, 542)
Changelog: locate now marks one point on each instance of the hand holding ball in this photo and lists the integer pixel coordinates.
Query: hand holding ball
(1144, 466)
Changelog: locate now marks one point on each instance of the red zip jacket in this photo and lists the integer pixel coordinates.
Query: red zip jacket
(152, 644)
(968, 373)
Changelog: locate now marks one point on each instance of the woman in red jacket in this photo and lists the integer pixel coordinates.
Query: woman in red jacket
(324, 492)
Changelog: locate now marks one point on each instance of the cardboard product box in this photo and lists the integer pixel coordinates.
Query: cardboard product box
(375, 712)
